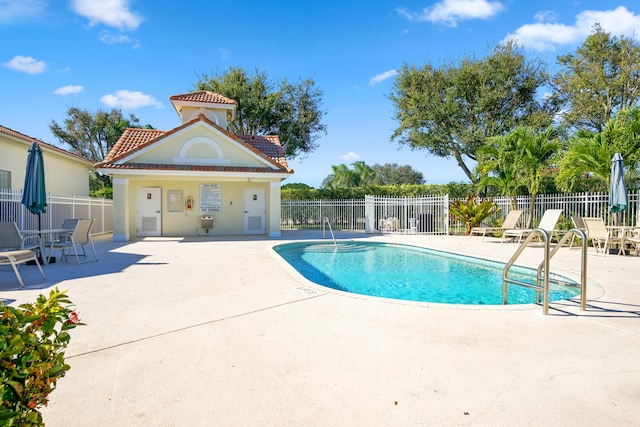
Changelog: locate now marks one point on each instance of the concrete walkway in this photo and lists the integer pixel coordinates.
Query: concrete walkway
(218, 332)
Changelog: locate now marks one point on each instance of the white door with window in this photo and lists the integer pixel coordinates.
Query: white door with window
(149, 216)
(254, 211)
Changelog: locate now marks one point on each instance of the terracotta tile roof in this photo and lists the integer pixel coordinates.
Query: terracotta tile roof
(202, 96)
(133, 140)
(268, 144)
(16, 134)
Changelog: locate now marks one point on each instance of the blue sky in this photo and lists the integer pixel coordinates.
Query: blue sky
(134, 54)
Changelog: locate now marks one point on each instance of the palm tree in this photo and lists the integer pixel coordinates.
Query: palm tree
(496, 167)
(591, 153)
(365, 174)
(535, 151)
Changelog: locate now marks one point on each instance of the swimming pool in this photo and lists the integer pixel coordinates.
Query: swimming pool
(411, 273)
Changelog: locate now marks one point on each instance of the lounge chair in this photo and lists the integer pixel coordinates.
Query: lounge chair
(602, 238)
(578, 223)
(20, 256)
(80, 237)
(510, 222)
(547, 222)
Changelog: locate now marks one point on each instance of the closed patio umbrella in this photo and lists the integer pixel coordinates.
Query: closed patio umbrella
(34, 194)
(618, 200)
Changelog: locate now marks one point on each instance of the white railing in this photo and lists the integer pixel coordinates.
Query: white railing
(59, 207)
(346, 215)
(431, 215)
(572, 204)
(375, 214)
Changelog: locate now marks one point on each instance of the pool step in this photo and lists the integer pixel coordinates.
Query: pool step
(339, 247)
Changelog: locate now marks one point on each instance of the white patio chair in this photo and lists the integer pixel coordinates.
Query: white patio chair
(12, 239)
(547, 222)
(510, 222)
(16, 249)
(602, 238)
(17, 257)
(80, 237)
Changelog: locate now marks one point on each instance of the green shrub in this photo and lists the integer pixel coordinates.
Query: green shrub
(470, 212)
(33, 338)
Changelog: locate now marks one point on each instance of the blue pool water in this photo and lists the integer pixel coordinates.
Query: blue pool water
(411, 273)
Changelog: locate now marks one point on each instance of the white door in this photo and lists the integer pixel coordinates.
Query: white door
(254, 211)
(149, 211)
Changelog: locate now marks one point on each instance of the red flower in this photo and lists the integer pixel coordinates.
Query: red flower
(73, 317)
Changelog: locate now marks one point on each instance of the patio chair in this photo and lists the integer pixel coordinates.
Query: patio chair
(12, 239)
(20, 256)
(80, 237)
(578, 223)
(70, 223)
(600, 236)
(16, 249)
(547, 222)
(633, 239)
(510, 222)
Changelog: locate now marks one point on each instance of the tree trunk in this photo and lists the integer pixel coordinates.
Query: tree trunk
(532, 205)
(464, 167)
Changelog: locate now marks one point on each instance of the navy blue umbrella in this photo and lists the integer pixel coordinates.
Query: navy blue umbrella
(34, 194)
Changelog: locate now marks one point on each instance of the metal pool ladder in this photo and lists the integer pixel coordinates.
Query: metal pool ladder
(326, 220)
(542, 274)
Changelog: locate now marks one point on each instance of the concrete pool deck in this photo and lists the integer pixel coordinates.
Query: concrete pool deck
(218, 332)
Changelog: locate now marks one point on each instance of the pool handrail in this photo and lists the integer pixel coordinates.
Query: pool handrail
(583, 262)
(326, 219)
(545, 286)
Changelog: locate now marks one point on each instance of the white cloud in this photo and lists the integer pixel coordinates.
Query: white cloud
(26, 64)
(382, 77)
(68, 90)
(350, 156)
(545, 15)
(546, 34)
(11, 10)
(108, 38)
(449, 12)
(129, 100)
(113, 13)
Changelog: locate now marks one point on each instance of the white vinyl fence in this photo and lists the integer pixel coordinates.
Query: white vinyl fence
(59, 207)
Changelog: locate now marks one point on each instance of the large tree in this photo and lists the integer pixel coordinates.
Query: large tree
(93, 134)
(451, 111)
(600, 78)
(293, 111)
(394, 174)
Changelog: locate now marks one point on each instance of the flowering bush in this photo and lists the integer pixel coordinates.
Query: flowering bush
(33, 338)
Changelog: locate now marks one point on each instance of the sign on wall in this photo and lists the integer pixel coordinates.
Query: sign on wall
(210, 198)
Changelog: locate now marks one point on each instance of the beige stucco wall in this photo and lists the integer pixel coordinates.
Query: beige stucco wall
(230, 221)
(217, 116)
(64, 175)
(201, 141)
